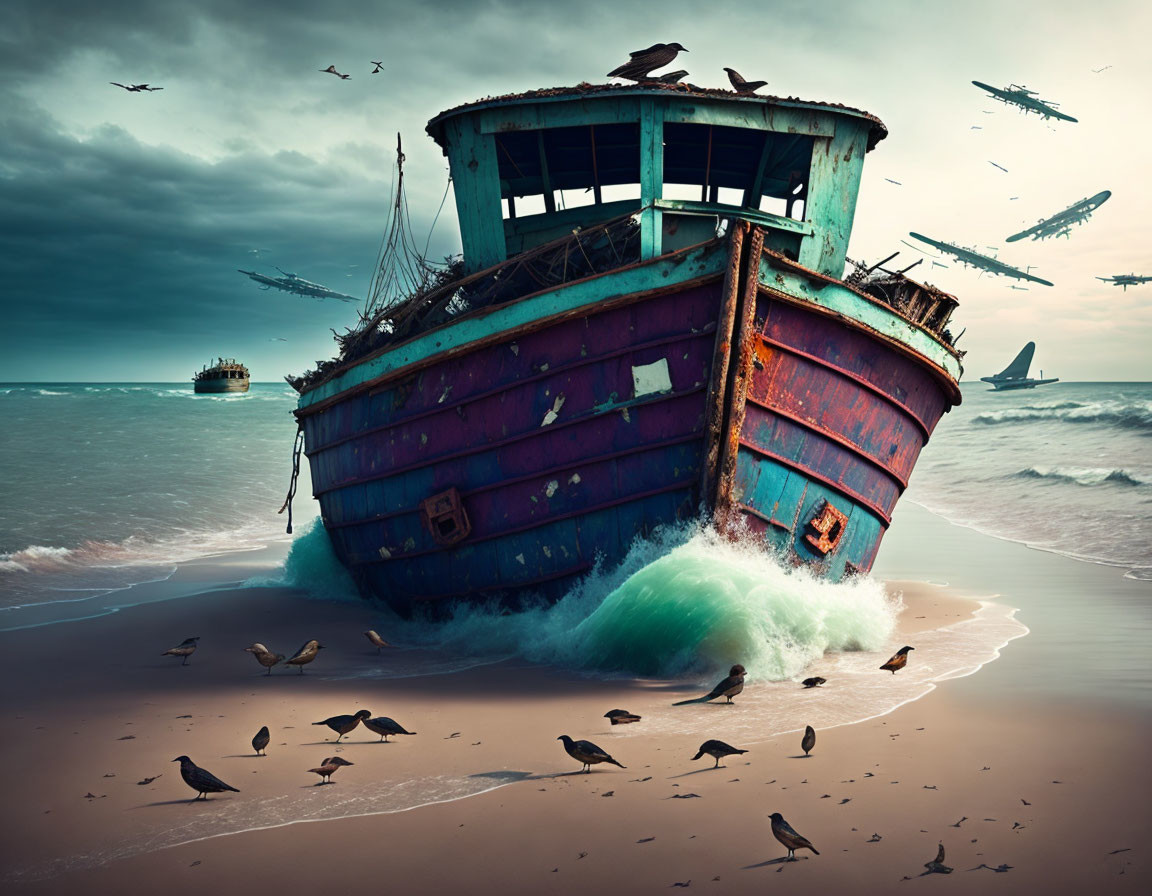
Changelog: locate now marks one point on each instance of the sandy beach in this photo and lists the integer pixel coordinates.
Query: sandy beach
(1026, 794)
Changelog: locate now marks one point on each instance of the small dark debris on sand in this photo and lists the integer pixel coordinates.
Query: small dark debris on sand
(127, 737)
(184, 717)
(685, 883)
(646, 840)
(685, 796)
(608, 793)
(875, 838)
(960, 822)
(1125, 849)
(91, 796)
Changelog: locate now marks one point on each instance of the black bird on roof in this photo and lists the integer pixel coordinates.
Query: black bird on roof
(644, 62)
(718, 750)
(672, 77)
(201, 780)
(135, 88)
(331, 70)
(740, 85)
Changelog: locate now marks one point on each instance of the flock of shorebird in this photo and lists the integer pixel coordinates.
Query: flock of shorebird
(583, 751)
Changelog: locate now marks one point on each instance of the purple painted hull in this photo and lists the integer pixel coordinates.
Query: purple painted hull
(510, 467)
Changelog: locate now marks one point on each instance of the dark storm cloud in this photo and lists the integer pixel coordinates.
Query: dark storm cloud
(106, 236)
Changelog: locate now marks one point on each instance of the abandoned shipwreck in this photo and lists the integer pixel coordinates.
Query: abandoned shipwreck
(589, 372)
(226, 375)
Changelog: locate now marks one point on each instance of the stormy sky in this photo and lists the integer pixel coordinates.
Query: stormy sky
(124, 216)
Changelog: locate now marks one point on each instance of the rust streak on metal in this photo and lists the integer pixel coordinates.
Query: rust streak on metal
(714, 423)
(740, 376)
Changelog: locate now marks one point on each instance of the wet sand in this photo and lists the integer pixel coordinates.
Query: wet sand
(1051, 793)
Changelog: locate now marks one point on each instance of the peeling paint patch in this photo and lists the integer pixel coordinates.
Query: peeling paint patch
(444, 395)
(423, 438)
(624, 413)
(547, 551)
(649, 379)
(574, 479)
(519, 558)
(554, 413)
(550, 489)
(409, 543)
(515, 349)
(385, 554)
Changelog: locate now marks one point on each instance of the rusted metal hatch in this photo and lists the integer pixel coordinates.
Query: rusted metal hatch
(445, 517)
(829, 525)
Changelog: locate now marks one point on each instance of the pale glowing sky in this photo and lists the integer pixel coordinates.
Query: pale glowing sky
(124, 216)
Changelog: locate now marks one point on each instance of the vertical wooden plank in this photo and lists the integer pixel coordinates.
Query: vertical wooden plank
(651, 175)
(476, 177)
(833, 183)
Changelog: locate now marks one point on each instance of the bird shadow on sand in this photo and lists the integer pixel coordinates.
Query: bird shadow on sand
(187, 802)
(509, 777)
(800, 756)
(783, 860)
(244, 756)
(697, 771)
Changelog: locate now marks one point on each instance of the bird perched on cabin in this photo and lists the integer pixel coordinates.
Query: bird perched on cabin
(201, 780)
(384, 726)
(899, 660)
(331, 70)
(185, 649)
(729, 687)
(135, 88)
(809, 740)
(740, 85)
(937, 866)
(264, 656)
(586, 752)
(672, 77)
(328, 768)
(717, 749)
(378, 65)
(260, 741)
(621, 717)
(813, 682)
(305, 654)
(646, 61)
(343, 724)
(375, 638)
(783, 832)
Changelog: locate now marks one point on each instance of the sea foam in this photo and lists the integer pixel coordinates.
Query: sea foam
(684, 602)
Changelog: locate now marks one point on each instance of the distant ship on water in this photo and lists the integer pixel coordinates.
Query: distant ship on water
(226, 375)
(1015, 375)
(585, 374)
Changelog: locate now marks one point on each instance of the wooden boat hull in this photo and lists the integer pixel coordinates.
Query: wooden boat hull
(504, 455)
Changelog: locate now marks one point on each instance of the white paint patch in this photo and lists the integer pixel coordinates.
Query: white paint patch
(547, 551)
(574, 479)
(554, 413)
(515, 349)
(550, 489)
(445, 395)
(520, 559)
(650, 379)
(385, 554)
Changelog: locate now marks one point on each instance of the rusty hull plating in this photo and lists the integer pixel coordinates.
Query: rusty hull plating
(719, 365)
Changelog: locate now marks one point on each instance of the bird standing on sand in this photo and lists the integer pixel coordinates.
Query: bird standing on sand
(729, 687)
(185, 648)
(717, 749)
(305, 654)
(783, 832)
(742, 86)
(260, 741)
(384, 726)
(645, 61)
(264, 656)
(375, 638)
(201, 780)
(813, 682)
(621, 717)
(328, 768)
(899, 660)
(586, 752)
(343, 724)
(809, 740)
